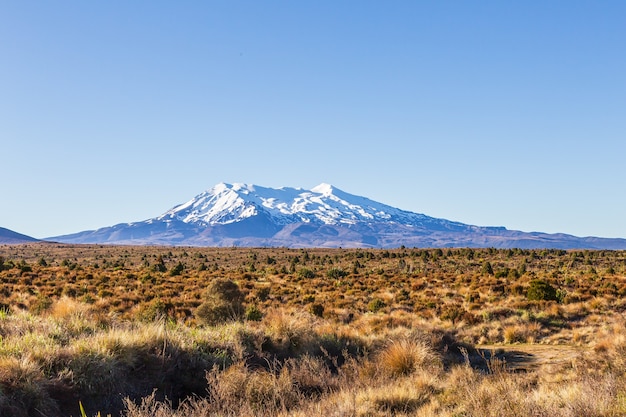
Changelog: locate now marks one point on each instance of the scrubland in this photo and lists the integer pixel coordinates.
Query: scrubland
(181, 332)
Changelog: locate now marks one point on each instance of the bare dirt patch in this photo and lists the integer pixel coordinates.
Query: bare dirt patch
(528, 357)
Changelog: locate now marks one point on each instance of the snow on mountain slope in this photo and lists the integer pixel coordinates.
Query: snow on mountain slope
(229, 203)
(324, 216)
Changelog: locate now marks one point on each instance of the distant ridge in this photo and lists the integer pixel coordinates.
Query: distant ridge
(9, 237)
(324, 216)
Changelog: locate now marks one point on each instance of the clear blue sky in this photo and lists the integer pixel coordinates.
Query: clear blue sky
(486, 112)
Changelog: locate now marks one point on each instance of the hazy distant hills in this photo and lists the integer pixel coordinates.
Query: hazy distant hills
(251, 215)
(9, 237)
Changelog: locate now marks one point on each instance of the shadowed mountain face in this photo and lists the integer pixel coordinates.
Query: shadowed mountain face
(250, 215)
(9, 237)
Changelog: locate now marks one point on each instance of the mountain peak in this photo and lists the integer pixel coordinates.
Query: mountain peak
(324, 204)
(236, 186)
(325, 216)
(323, 188)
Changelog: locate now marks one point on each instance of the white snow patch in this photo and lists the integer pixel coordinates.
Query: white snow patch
(227, 203)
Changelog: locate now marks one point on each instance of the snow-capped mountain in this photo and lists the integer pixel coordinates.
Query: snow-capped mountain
(324, 204)
(324, 216)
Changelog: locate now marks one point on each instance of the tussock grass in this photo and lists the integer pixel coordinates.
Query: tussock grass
(405, 356)
(140, 332)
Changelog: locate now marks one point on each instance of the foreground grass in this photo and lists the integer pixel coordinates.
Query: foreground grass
(288, 364)
(324, 332)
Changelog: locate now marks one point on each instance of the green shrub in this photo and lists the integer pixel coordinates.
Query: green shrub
(375, 305)
(541, 290)
(227, 290)
(263, 293)
(213, 312)
(336, 273)
(224, 302)
(24, 267)
(177, 270)
(306, 273)
(452, 313)
(156, 310)
(41, 304)
(317, 310)
(253, 313)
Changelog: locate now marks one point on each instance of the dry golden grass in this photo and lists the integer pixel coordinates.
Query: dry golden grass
(405, 356)
(118, 328)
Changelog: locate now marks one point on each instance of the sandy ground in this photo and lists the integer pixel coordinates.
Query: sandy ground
(528, 357)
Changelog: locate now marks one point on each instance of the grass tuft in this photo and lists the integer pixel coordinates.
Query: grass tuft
(405, 356)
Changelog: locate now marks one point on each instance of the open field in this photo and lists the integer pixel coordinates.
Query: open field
(154, 331)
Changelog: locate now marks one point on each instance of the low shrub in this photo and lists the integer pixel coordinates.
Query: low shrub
(306, 273)
(253, 313)
(541, 290)
(154, 311)
(317, 310)
(376, 305)
(336, 273)
(224, 302)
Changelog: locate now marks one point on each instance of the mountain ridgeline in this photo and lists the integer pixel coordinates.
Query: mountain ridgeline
(9, 237)
(251, 215)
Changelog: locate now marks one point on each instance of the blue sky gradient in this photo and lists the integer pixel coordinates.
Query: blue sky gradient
(489, 113)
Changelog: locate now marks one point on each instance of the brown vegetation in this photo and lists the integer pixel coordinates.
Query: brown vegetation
(153, 331)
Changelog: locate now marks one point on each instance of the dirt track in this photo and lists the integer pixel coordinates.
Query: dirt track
(527, 357)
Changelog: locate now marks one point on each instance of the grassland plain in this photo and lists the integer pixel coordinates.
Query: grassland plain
(185, 331)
